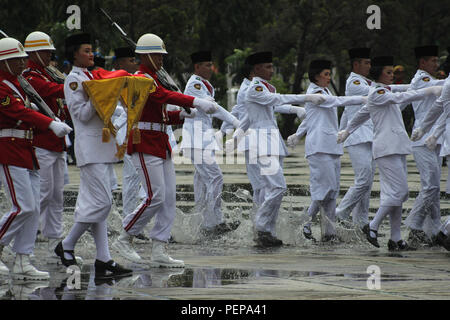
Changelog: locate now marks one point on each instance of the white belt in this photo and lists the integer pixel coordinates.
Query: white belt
(16, 133)
(152, 126)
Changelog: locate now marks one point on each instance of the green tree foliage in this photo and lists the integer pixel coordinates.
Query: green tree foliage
(297, 31)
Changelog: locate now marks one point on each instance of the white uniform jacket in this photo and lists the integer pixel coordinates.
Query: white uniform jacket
(198, 132)
(383, 108)
(88, 126)
(442, 125)
(423, 79)
(322, 122)
(264, 136)
(357, 85)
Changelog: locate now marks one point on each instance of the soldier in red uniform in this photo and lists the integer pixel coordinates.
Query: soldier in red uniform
(50, 150)
(152, 158)
(19, 165)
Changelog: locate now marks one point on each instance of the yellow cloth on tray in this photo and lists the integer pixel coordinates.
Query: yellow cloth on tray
(105, 93)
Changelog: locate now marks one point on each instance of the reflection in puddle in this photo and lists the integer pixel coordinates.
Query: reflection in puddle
(141, 284)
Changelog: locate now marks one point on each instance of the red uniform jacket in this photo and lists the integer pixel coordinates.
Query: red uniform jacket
(157, 143)
(14, 115)
(49, 91)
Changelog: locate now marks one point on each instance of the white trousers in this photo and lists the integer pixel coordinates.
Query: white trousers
(208, 185)
(52, 170)
(271, 171)
(254, 176)
(132, 191)
(94, 199)
(357, 197)
(22, 221)
(158, 178)
(393, 180)
(427, 202)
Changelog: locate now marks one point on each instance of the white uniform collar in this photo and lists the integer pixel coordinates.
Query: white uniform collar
(354, 74)
(423, 72)
(75, 68)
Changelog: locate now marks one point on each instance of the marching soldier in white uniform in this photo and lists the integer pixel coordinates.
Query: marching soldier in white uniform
(266, 146)
(437, 117)
(391, 144)
(240, 111)
(428, 161)
(359, 144)
(321, 149)
(199, 144)
(19, 164)
(95, 160)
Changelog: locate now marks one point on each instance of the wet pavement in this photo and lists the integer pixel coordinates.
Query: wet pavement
(232, 268)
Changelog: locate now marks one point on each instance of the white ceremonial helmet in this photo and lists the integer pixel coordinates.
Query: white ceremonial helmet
(11, 48)
(150, 43)
(38, 41)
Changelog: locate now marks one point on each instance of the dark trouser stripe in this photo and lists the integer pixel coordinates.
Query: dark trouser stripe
(149, 192)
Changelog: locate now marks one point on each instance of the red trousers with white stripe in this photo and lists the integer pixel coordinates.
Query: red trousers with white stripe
(21, 222)
(158, 179)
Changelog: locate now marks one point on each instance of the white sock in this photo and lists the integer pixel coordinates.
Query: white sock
(380, 215)
(75, 233)
(100, 234)
(396, 222)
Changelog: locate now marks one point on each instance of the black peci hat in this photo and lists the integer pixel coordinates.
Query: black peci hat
(355, 53)
(259, 57)
(320, 64)
(426, 51)
(77, 39)
(382, 61)
(123, 52)
(201, 56)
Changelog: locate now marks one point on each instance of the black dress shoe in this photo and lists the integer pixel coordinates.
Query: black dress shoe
(400, 245)
(110, 269)
(446, 244)
(266, 239)
(59, 250)
(308, 233)
(373, 240)
(439, 239)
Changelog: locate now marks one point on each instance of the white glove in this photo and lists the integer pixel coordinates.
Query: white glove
(205, 105)
(417, 134)
(60, 129)
(229, 146)
(431, 142)
(238, 134)
(219, 138)
(365, 99)
(301, 113)
(342, 136)
(293, 140)
(184, 114)
(315, 98)
(436, 90)
(236, 123)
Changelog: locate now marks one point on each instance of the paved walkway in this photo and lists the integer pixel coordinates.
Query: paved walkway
(232, 268)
